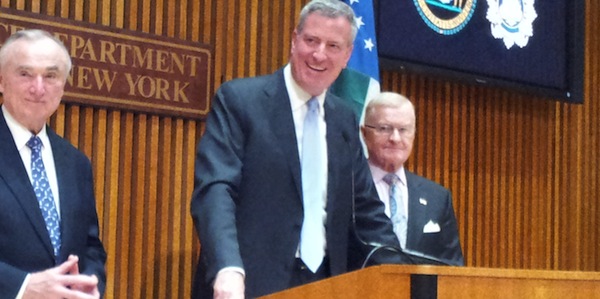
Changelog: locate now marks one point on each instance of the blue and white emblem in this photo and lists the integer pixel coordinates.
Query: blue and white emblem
(446, 17)
(512, 21)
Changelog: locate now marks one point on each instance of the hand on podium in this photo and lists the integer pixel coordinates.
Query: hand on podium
(229, 285)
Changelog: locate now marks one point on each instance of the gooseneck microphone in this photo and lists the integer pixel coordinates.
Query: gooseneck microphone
(375, 246)
(422, 258)
(410, 256)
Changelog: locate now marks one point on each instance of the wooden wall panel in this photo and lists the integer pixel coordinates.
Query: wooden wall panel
(530, 196)
(524, 171)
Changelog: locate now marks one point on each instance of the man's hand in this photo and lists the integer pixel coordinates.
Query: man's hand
(62, 282)
(229, 285)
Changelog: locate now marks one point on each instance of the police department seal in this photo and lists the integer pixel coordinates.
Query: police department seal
(446, 17)
(512, 21)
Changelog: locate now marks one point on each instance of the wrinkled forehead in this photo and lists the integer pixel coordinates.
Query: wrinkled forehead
(401, 114)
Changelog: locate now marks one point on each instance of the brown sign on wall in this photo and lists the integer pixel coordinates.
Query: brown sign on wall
(122, 69)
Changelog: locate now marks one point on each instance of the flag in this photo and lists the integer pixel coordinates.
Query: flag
(359, 82)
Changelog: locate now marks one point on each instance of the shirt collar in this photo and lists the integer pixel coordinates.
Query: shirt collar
(379, 173)
(298, 97)
(21, 134)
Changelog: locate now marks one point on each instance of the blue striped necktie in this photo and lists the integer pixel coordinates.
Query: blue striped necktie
(41, 186)
(312, 238)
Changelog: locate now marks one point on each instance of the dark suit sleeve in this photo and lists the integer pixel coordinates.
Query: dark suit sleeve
(445, 244)
(94, 258)
(217, 171)
(372, 228)
(78, 207)
(11, 280)
(452, 251)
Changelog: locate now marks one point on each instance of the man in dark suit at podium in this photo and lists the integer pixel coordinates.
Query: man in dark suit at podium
(420, 209)
(280, 174)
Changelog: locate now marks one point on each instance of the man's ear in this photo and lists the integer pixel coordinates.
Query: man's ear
(294, 36)
(363, 131)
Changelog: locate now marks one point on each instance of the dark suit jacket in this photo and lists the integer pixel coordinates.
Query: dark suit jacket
(247, 201)
(430, 207)
(24, 242)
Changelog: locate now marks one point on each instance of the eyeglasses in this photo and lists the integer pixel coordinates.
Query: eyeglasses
(389, 130)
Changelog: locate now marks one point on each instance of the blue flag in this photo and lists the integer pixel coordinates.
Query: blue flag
(360, 80)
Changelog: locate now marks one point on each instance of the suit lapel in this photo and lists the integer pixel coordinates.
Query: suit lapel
(278, 110)
(277, 106)
(416, 210)
(65, 186)
(337, 152)
(13, 173)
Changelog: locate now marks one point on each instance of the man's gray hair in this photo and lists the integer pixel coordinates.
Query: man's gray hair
(33, 35)
(330, 9)
(387, 99)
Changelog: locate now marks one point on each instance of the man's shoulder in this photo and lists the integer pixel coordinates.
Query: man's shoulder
(253, 83)
(341, 110)
(62, 146)
(423, 182)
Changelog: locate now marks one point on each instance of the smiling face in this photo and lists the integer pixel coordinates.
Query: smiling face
(389, 150)
(32, 78)
(320, 51)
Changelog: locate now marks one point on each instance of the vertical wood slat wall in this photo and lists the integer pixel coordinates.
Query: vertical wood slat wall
(524, 171)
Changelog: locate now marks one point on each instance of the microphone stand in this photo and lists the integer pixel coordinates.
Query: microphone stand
(411, 256)
(376, 246)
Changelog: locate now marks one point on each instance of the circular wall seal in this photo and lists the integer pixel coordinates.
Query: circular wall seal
(446, 17)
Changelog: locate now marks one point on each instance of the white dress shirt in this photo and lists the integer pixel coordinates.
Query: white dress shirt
(20, 136)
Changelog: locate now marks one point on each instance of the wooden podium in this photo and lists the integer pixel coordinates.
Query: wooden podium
(425, 282)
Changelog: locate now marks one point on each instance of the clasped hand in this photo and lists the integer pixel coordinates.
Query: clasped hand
(62, 282)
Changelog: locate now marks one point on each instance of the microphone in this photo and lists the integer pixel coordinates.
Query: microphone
(422, 258)
(352, 195)
(411, 256)
(376, 246)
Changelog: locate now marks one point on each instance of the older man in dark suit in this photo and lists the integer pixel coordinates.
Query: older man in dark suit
(421, 210)
(268, 218)
(49, 243)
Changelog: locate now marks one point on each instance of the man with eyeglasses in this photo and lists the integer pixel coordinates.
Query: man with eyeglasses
(420, 209)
